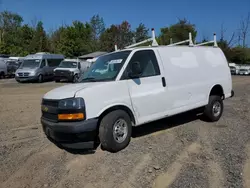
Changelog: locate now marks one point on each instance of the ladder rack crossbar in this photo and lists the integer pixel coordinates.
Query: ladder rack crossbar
(142, 42)
(182, 42)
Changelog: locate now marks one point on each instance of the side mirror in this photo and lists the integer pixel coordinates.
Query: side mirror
(136, 70)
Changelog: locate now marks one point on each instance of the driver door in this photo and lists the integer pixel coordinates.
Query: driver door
(148, 92)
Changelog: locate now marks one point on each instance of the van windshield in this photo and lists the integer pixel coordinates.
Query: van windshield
(31, 63)
(68, 64)
(106, 67)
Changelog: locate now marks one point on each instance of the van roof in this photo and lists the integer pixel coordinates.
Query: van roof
(44, 56)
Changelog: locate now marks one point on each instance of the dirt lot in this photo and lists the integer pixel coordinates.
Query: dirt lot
(181, 151)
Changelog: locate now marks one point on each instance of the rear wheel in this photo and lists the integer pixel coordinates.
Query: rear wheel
(214, 109)
(57, 81)
(115, 131)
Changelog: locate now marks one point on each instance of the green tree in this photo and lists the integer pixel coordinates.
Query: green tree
(74, 40)
(109, 38)
(9, 25)
(98, 27)
(141, 33)
(178, 32)
(121, 35)
(39, 41)
(126, 35)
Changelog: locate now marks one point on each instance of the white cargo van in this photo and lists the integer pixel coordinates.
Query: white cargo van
(70, 70)
(132, 87)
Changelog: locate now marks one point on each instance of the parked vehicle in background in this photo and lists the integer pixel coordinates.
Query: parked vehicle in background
(12, 66)
(3, 66)
(244, 71)
(70, 70)
(38, 67)
(233, 70)
(135, 86)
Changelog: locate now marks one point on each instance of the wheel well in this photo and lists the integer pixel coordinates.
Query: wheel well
(118, 107)
(217, 90)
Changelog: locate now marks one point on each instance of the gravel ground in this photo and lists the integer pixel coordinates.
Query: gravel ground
(181, 151)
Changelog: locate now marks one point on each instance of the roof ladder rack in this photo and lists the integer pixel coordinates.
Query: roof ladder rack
(183, 42)
(154, 42)
(209, 42)
(191, 42)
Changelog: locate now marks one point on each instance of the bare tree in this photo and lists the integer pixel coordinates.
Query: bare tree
(34, 22)
(230, 42)
(222, 32)
(244, 30)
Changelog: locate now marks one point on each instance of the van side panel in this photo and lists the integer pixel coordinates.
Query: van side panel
(190, 74)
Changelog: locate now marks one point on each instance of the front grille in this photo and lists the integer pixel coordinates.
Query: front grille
(23, 74)
(62, 73)
(53, 103)
(49, 116)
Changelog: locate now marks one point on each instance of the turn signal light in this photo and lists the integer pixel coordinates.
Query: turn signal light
(77, 116)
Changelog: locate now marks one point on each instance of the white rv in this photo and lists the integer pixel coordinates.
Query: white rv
(134, 86)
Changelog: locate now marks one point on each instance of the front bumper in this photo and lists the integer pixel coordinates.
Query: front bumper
(64, 75)
(69, 77)
(24, 79)
(75, 135)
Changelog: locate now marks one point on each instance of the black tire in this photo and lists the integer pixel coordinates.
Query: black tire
(210, 112)
(2, 75)
(40, 78)
(108, 142)
(75, 79)
(57, 81)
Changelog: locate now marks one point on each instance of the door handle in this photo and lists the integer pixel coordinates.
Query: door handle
(163, 81)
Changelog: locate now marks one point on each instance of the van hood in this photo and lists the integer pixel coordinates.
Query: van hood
(67, 69)
(26, 69)
(68, 91)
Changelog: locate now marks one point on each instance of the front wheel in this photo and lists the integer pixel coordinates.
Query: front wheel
(115, 131)
(75, 79)
(2, 75)
(40, 78)
(214, 109)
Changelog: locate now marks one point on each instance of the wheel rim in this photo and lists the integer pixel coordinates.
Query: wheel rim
(216, 108)
(120, 130)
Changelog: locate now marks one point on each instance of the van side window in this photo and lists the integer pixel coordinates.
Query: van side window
(54, 62)
(79, 65)
(148, 62)
(43, 64)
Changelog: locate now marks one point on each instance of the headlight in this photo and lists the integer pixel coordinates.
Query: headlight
(32, 73)
(72, 103)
